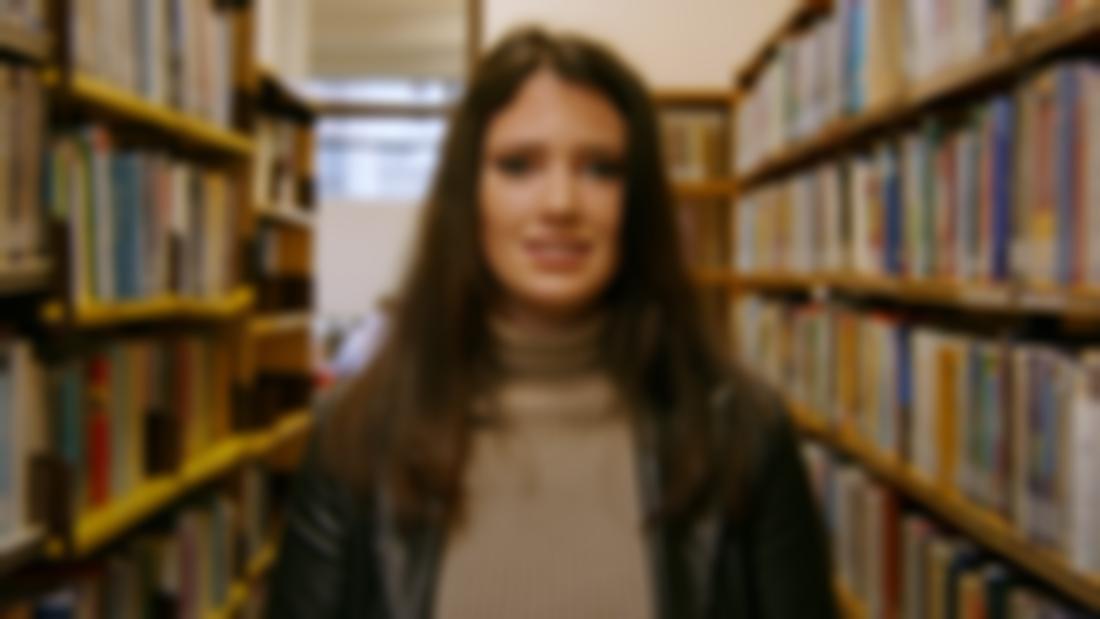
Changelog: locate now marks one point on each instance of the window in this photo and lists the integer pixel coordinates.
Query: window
(380, 138)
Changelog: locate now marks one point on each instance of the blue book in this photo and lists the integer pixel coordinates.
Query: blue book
(1004, 178)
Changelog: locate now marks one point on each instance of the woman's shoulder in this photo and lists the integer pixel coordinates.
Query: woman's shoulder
(753, 424)
(346, 438)
(745, 403)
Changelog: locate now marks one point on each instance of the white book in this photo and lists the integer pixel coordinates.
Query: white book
(1083, 485)
(860, 172)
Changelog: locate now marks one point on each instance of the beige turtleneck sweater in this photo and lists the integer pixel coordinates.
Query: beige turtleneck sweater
(553, 524)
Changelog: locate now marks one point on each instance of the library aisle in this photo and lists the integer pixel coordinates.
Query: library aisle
(891, 210)
(156, 362)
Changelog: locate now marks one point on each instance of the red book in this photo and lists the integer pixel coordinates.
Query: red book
(99, 431)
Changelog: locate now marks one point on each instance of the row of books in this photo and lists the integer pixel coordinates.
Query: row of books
(1011, 425)
(178, 53)
(182, 567)
(1008, 191)
(27, 14)
(698, 221)
(281, 164)
(282, 260)
(695, 144)
(141, 223)
(863, 55)
(22, 434)
(137, 408)
(902, 564)
(22, 112)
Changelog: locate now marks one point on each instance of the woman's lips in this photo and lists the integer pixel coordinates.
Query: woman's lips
(557, 255)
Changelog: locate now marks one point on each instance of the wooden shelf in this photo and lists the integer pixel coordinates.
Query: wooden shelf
(803, 11)
(131, 108)
(266, 326)
(97, 315)
(705, 190)
(99, 527)
(999, 298)
(694, 97)
(258, 567)
(985, 526)
(30, 277)
(1006, 60)
(712, 277)
(298, 218)
(102, 525)
(292, 427)
(278, 95)
(850, 606)
(20, 549)
(17, 40)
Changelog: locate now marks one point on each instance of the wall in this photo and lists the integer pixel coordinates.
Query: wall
(353, 38)
(688, 43)
(360, 253)
(674, 43)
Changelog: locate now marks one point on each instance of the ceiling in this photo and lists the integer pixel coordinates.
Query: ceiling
(419, 38)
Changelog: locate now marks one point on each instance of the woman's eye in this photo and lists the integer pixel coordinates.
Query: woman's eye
(515, 165)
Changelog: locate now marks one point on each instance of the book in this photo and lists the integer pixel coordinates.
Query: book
(134, 408)
(22, 111)
(141, 224)
(22, 434)
(902, 563)
(1010, 426)
(183, 565)
(175, 53)
(694, 143)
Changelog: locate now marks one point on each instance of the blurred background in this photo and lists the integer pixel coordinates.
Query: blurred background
(890, 207)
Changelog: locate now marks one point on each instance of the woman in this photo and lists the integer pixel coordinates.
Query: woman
(547, 430)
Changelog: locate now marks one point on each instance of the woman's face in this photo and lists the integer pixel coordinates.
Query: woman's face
(551, 194)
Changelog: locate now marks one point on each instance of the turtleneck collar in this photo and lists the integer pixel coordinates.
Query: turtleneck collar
(548, 351)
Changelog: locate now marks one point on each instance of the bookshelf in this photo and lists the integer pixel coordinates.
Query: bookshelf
(850, 606)
(976, 522)
(33, 276)
(89, 338)
(162, 309)
(103, 526)
(1042, 312)
(988, 297)
(87, 92)
(279, 323)
(696, 125)
(17, 40)
(1011, 57)
(705, 190)
(21, 548)
(258, 567)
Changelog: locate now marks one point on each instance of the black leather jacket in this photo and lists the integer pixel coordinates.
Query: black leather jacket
(341, 557)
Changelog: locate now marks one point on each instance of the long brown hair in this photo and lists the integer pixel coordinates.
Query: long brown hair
(405, 421)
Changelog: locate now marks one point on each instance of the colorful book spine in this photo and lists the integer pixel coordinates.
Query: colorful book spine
(1010, 426)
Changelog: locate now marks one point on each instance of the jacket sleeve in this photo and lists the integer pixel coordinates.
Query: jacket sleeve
(789, 551)
(309, 575)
